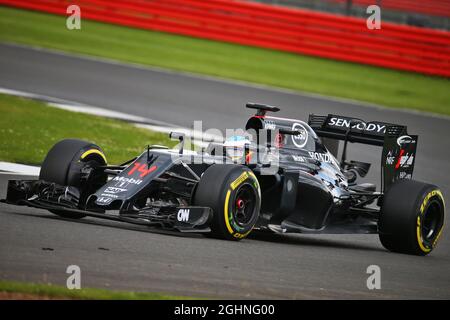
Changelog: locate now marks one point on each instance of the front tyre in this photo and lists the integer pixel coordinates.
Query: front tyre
(412, 217)
(64, 164)
(233, 193)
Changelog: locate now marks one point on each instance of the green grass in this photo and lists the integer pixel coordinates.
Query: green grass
(28, 129)
(57, 292)
(347, 80)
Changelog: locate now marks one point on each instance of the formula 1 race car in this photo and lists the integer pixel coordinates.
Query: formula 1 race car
(283, 177)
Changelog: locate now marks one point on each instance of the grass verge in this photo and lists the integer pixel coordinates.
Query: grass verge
(22, 290)
(28, 129)
(376, 85)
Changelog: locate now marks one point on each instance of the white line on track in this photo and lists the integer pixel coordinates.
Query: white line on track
(198, 138)
(141, 122)
(8, 167)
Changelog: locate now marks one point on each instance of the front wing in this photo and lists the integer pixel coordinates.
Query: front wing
(65, 199)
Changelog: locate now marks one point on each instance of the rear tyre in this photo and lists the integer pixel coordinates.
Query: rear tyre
(64, 163)
(412, 217)
(233, 193)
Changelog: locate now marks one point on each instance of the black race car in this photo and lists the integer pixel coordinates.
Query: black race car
(283, 178)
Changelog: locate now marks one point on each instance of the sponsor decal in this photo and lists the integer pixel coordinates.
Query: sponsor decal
(406, 161)
(404, 140)
(399, 153)
(104, 200)
(403, 160)
(110, 195)
(390, 158)
(322, 157)
(183, 215)
(404, 175)
(113, 190)
(360, 125)
(122, 182)
(269, 125)
(298, 158)
(300, 139)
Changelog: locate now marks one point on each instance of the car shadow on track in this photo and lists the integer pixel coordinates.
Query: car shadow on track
(288, 239)
(301, 240)
(42, 214)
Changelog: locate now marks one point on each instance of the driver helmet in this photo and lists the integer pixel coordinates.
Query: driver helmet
(235, 148)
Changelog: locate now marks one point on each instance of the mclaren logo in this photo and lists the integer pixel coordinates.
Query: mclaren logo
(300, 139)
(183, 215)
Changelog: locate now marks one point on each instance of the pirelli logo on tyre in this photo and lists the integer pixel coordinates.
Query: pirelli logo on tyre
(428, 197)
(424, 246)
(240, 235)
(239, 180)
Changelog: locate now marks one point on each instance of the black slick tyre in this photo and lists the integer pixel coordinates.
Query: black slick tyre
(412, 217)
(64, 163)
(233, 193)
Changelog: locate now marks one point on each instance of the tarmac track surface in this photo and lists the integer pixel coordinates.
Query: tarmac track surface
(118, 256)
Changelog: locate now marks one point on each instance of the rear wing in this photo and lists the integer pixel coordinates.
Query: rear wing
(354, 130)
(399, 148)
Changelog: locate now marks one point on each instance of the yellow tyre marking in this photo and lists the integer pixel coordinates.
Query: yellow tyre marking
(253, 175)
(422, 208)
(419, 237)
(438, 192)
(233, 186)
(443, 222)
(225, 212)
(91, 151)
(438, 236)
(241, 236)
(428, 196)
(257, 182)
